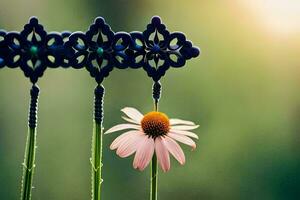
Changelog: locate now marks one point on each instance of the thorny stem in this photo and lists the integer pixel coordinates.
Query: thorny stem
(96, 160)
(30, 149)
(28, 164)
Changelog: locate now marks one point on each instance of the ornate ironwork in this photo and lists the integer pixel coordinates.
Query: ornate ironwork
(99, 49)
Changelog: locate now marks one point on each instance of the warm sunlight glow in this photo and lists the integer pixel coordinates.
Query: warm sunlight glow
(280, 16)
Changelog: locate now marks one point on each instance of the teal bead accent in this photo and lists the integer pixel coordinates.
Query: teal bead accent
(100, 51)
(33, 50)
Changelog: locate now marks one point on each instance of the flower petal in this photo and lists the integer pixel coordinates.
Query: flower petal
(184, 128)
(174, 149)
(118, 141)
(162, 154)
(180, 121)
(187, 133)
(144, 153)
(120, 127)
(131, 120)
(183, 139)
(130, 144)
(133, 114)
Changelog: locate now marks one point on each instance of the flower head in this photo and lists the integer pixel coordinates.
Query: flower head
(152, 133)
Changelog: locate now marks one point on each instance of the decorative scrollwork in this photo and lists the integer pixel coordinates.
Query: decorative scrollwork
(99, 49)
(33, 50)
(3, 49)
(156, 49)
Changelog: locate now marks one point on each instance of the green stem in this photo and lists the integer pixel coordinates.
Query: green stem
(154, 174)
(154, 171)
(96, 161)
(28, 164)
(30, 149)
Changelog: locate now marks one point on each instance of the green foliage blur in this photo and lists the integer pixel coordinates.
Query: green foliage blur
(243, 91)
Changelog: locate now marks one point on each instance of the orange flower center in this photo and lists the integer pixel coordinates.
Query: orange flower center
(155, 124)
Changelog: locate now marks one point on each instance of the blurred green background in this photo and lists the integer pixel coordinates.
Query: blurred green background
(243, 91)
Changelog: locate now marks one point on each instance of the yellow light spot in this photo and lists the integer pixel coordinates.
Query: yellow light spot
(279, 16)
(155, 124)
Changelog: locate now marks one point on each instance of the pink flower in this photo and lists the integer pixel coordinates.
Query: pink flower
(153, 132)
